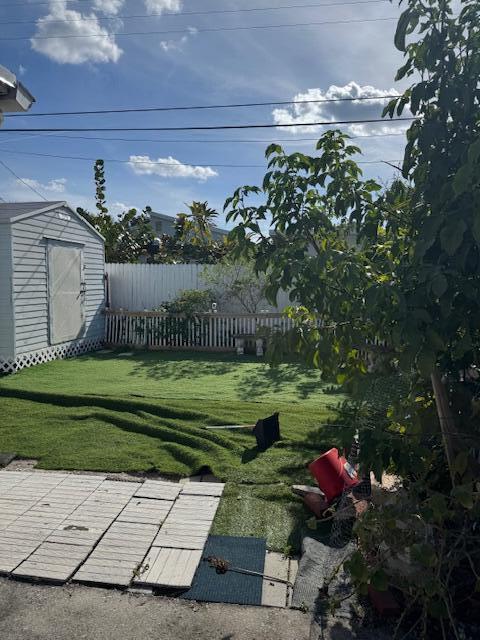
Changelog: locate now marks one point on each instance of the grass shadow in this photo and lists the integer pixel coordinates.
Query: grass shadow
(273, 380)
(158, 365)
(250, 454)
(111, 403)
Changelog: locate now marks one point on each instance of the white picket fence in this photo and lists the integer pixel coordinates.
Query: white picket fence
(147, 286)
(210, 331)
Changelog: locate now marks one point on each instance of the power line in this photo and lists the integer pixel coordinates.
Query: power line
(32, 4)
(208, 127)
(205, 140)
(22, 180)
(159, 162)
(198, 13)
(234, 105)
(197, 31)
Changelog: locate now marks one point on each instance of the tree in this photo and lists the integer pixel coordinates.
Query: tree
(128, 236)
(190, 302)
(412, 280)
(308, 201)
(236, 282)
(193, 239)
(442, 159)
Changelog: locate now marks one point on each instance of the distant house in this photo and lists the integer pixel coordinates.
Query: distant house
(164, 224)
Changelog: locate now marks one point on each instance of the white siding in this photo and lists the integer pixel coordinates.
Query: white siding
(30, 279)
(7, 330)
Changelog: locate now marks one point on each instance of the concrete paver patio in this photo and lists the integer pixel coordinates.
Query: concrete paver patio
(57, 526)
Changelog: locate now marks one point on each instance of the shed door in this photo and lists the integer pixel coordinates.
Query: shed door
(66, 291)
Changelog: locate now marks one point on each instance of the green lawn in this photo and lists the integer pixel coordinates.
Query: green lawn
(147, 412)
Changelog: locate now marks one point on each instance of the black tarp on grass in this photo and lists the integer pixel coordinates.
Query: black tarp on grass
(231, 587)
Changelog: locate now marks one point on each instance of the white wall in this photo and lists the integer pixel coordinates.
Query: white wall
(136, 287)
(7, 330)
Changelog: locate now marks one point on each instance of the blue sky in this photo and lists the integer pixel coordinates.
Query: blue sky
(188, 67)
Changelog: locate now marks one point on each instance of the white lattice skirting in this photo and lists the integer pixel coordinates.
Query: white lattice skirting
(58, 352)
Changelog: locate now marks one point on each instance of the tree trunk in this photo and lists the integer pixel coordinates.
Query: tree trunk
(447, 421)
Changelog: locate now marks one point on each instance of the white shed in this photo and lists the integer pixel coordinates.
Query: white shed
(52, 284)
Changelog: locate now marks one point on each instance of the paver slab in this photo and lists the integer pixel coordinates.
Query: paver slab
(116, 558)
(145, 511)
(274, 594)
(203, 489)
(158, 489)
(165, 567)
(52, 561)
(181, 541)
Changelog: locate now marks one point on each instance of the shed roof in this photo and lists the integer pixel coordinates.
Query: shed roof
(9, 211)
(12, 211)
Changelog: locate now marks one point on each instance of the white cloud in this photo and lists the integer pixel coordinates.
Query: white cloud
(169, 168)
(110, 7)
(177, 45)
(14, 191)
(117, 208)
(159, 6)
(22, 70)
(354, 109)
(62, 22)
(55, 186)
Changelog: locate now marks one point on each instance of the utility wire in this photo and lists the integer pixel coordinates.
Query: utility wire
(50, 2)
(199, 13)
(233, 105)
(159, 162)
(201, 140)
(209, 127)
(22, 180)
(197, 31)
(32, 4)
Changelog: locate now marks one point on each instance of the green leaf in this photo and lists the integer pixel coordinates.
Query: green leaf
(404, 69)
(476, 227)
(451, 236)
(462, 346)
(462, 179)
(464, 495)
(474, 151)
(460, 463)
(434, 340)
(401, 31)
(379, 580)
(438, 505)
(357, 566)
(439, 285)
(424, 553)
(389, 109)
(425, 362)
(273, 148)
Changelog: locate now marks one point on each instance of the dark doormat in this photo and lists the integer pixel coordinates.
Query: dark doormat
(231, 587)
